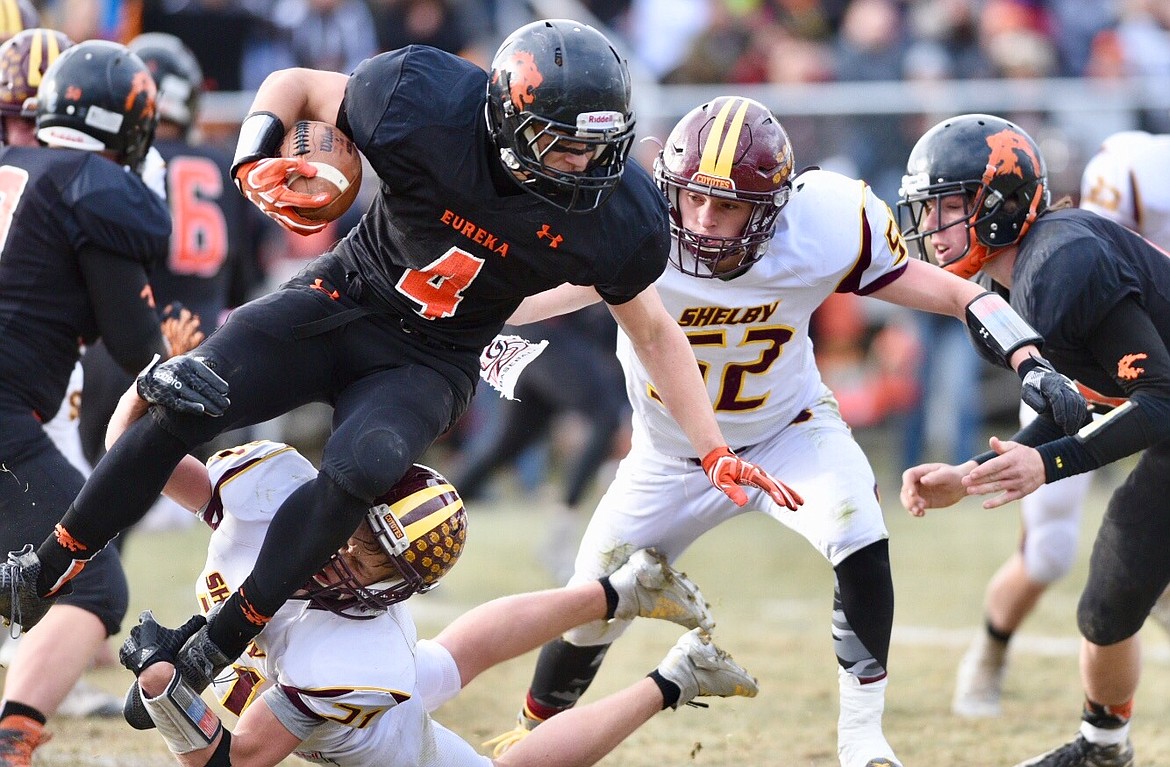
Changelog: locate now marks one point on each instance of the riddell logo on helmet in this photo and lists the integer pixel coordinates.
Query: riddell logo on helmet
(718, 182)
(1007, 146)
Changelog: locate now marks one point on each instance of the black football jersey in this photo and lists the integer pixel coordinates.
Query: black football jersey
(452, 247)
(58, 207)
(1073, 267)
(209, 231)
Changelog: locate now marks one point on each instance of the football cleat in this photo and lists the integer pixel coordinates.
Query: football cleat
(1081, 753)
(860, 740)
(648, 587)
(501, 743)
(979, 683)
(85, 701)
(19, 601)
(19, 737)
(700, 668)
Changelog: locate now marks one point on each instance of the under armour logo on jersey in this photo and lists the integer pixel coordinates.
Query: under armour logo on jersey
(319, 285)
(553, 239)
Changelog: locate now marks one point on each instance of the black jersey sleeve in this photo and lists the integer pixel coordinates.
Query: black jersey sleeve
(118, 290)
(393, 95)
(1125, 343)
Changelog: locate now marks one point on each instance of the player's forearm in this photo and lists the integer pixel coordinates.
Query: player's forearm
(675, 374)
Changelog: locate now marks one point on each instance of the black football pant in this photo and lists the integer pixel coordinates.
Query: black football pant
(392, 396)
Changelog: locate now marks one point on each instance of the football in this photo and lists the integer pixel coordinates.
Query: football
(338, 164)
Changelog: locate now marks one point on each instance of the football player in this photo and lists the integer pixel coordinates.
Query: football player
(1127, 180)
(976, 188)
(493, 186)
(757, 248)
(212, 227)
(78, 234)
(287, 692)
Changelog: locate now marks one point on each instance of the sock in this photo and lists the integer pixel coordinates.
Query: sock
(236, 624)
(670, 690)
(11, 708)
(611, 598)
(1003, 637)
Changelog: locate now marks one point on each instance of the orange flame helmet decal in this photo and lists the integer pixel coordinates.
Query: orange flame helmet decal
(524, 80)
(1008, 148)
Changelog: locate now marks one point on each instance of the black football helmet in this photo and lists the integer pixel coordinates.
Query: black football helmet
(559, 85)
(24, 58)
(733, 148)
(98, 96)
(998, 169)
(421, 525)
(177, 74)
(15, 16)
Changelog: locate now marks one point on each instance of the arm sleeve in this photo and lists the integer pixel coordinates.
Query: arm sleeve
(1126, 343)
(120, 294)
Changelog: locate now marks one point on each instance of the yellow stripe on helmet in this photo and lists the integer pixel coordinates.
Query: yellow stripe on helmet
(718, 154)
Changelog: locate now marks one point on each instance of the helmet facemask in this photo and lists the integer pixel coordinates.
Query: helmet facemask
(415, 534)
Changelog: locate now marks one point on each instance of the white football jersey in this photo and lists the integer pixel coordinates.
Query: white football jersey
(751, 334)
(1128, 180)
(357, 675)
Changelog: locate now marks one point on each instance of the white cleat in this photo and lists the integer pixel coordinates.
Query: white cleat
(700, 668)
(979, 683)
(648, 587)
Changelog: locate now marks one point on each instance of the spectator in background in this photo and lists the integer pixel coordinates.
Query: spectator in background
(577, 374)
(221, 33)
(334, 35)
(462, 27)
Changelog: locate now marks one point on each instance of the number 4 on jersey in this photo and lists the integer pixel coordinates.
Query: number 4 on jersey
(438, 287)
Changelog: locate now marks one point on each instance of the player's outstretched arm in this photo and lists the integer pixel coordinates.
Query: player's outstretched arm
(664, 350)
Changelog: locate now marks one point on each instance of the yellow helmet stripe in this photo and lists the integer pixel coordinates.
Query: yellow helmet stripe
(10, 12)
(718, 154)
(418, 529)
(35, 53)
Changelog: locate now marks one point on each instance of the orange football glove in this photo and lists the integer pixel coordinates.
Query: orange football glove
(727, 471)
(265, 184)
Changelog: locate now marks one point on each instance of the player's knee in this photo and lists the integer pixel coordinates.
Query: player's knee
(1106, 619)
(596, 633)
(1050, 550)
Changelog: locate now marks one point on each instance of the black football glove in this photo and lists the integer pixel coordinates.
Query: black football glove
(1047, 391)
(150, 642)
(185, 384)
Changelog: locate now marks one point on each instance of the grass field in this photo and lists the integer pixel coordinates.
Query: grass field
(771, 594)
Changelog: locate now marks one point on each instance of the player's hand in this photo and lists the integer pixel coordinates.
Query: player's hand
(150, 642)
(265, 184)
(932, 486)
(1016, 471)
(727, 471)
(181, 328)
(1051, 393)
(185, 384)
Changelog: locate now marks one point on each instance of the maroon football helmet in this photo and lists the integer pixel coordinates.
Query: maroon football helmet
(421, 525)
(15, 16)
(23, 61)
(734, 148)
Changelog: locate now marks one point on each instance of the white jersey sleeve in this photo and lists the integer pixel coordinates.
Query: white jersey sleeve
(1128, 180)
(750, 334)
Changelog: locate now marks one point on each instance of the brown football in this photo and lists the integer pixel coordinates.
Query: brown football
(338, 164)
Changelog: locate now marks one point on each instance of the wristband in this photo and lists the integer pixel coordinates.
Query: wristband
(261, 134)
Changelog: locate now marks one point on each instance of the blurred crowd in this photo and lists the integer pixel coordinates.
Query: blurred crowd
(874, 359)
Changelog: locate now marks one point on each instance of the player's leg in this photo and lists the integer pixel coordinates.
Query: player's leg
(842, 519)
(1128, 571)
(258, 354)
(654, 501)
(1050, 518)
(382, 423)
(48, 663)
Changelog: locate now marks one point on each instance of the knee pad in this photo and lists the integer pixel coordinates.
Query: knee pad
(1050, 549)
(1105, 620)
(101, 589)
